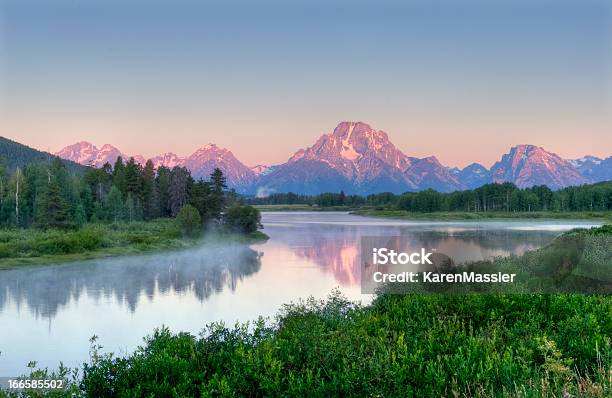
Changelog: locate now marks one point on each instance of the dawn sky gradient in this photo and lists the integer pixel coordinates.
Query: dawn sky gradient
(462, 80)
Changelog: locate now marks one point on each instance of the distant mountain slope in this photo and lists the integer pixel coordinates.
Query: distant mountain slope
(529, 165)
(202, 162)
(474, 175)
(594, 168)
(14, 154)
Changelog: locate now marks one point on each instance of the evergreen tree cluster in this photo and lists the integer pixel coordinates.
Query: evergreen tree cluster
(47, 195)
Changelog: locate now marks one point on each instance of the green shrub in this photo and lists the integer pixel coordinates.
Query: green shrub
(32, 243)
(242, 218)
(7, 250)
(90, 238)
(188, 220)
(415, 345)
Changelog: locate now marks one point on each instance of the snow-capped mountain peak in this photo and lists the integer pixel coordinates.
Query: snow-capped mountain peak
(261, 169)
(529, 165)
(86, 153)
(356, 158)
(168, 159)
(201, 163)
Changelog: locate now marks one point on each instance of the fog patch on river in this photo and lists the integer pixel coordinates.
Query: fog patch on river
(203, 271)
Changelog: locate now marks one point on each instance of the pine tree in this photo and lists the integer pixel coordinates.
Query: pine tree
(179, 189)
(133, 183)
(119, 179)
(148, 190)
(217, 194)
(54, 212)
(200, 197)
(218, 181)
(163, 191)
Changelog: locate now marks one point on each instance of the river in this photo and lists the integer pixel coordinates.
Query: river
(48, 314)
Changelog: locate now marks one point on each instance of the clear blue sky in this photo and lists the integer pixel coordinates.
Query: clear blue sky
(463, 80)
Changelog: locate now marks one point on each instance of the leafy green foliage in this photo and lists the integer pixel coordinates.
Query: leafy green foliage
(23, 245)
(189, 221)
(242, 218)
(415, 345)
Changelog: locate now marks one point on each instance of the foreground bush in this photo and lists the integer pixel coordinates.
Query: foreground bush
(429, 345)
(242, 219)
(188, 220)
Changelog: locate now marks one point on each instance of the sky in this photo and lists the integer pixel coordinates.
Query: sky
(461, 80)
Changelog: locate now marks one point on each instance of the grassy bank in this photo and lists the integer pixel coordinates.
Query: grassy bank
(21, 247)
(422, 345)
(451, 216)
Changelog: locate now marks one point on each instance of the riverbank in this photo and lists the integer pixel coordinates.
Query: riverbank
(31, 247)
(457, 216)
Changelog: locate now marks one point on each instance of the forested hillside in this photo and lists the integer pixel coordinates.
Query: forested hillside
(14, 154)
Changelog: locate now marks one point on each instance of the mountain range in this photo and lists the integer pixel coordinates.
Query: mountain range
(358, 159)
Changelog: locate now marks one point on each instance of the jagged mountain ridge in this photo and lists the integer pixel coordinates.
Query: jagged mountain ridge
(358, 159)
(594, 168)
(529, 165)
(201, 163)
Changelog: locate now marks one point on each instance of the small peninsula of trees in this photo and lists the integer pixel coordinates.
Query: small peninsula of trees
(46, 195)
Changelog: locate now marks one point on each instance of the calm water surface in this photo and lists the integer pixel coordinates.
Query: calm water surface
(47, 314)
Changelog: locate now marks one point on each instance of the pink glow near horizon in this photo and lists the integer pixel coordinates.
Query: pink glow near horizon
(276, 144)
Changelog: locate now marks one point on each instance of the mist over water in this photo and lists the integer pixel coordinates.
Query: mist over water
(47, 314)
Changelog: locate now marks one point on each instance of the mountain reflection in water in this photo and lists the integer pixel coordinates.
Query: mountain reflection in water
(335, 248)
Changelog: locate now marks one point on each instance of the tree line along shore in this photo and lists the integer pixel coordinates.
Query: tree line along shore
(494, 200)
(51, 214)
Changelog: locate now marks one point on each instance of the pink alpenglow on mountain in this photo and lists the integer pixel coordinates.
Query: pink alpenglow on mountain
(357, 159)
(88, 154)
(529, 165)
(202, 162)
(167, 159)
(260, 169)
